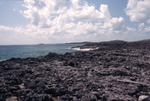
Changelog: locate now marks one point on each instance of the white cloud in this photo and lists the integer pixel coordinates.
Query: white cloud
(114, 24)
(72, 17)
(40, 11)
(46, 13)
(143, 28)
(54, 21)
(138, 10)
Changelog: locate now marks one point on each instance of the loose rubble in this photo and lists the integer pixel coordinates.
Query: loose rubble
(116, 71)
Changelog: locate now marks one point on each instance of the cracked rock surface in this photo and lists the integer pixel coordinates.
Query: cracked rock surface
(117, 71)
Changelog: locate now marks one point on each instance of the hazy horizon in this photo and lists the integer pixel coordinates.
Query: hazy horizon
(27, 22)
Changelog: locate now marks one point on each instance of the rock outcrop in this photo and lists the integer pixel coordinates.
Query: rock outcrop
(118, 71)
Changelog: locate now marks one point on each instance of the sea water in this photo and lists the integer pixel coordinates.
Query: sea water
(24, 51)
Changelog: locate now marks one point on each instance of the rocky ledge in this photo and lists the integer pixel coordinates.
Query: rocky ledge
(116, 71)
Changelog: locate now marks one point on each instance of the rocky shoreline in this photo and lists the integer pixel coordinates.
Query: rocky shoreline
(116, 71)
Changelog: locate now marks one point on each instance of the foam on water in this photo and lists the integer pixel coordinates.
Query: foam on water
(85, 49)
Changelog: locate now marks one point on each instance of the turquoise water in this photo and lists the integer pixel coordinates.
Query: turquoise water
(24, 51)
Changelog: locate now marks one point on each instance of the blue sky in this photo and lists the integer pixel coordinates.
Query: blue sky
(10, 15)
(60, 21)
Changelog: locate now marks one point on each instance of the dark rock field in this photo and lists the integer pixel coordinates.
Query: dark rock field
(117, 71)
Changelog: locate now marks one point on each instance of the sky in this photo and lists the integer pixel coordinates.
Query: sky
(61, 21)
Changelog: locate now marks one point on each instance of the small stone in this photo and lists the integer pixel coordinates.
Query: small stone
(13, 98)
(22, 86)
(144, 98)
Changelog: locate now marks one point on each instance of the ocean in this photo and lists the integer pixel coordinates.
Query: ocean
(24, 51)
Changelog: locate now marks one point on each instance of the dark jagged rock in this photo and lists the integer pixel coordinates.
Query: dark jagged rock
(116, 71)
